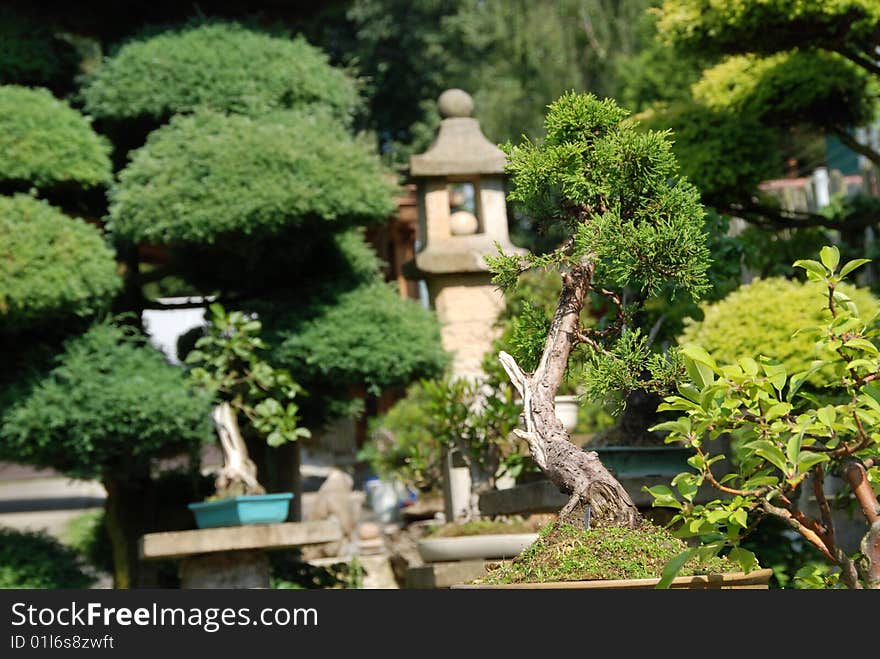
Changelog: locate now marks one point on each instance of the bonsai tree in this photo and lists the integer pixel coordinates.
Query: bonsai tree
(786, 439)
(630, 221)
(227, 364)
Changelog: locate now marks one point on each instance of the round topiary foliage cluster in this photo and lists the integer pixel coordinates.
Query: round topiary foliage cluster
(207, 175)
(45, 142)
(222, 66)
(761, 318)
(51, 266)
(110, 406)
(368, 336)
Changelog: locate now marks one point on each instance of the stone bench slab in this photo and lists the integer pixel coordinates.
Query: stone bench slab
(179, 544)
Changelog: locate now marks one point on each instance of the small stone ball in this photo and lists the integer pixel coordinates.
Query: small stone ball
(455, 103)
(369, 531)
(463, 223)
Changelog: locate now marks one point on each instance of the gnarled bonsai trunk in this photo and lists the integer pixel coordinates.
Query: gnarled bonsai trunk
(578, 473)
(239, 473)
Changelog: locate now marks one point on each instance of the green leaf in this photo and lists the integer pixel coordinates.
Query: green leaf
(793, 446)
(775, 372)
(749, 365)
(770, 452)
(827, 415)
(811, 266)
(740, 517)
(862, 344)
(672, 568)
(852, 265)
(777, 410)
(809, 459)
(699, 355)
(744, 558)
(830, 257)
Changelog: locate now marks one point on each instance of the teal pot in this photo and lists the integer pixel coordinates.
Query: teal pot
(240, 510)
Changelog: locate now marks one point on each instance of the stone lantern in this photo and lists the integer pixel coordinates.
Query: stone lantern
(462, 218)
(462, 215)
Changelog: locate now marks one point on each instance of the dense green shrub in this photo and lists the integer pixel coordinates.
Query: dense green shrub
(110, 405)
(226, 67)
(368, 336)
(36, 560)
(206, 175)
(31, 54)
(761, 318)
(45, 142)
(51, 265)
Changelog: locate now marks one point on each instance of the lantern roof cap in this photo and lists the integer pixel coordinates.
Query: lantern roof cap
(460, 148)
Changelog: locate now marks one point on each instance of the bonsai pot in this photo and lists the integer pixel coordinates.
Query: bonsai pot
(470, 547)
(240, 510)
(756, 579)
(567, 411)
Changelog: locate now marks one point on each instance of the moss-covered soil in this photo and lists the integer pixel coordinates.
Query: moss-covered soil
(570, 554)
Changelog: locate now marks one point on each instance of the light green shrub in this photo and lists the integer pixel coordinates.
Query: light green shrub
(761, 318)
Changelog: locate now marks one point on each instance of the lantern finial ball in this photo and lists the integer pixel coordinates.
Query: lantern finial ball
(455, 103)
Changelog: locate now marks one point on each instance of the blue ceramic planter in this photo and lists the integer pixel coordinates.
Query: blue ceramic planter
(248, 509)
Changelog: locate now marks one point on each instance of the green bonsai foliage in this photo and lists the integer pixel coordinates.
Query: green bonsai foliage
(629, 214)
(784, 438)
(51, 266)
(766, 317)
(221, 66)
(37, 560)
(109, 407)
(210, 175)
(227, 362)
(46, 143)
(475, 418)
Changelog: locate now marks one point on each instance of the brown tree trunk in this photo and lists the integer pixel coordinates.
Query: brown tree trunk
(129, 508)
(575, 472)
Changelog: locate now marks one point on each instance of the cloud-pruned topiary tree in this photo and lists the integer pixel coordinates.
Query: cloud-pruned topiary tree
(221, 66)
(254, 186)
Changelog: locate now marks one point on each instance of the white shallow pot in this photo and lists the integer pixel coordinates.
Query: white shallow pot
(567, 411)
(467, 547)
